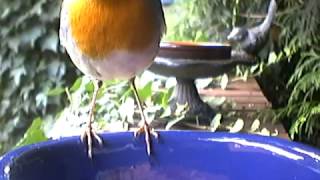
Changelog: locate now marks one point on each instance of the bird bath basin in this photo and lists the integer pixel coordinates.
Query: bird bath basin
(183, 155)
(187, 61)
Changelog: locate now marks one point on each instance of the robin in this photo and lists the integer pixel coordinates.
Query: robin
(112, 39)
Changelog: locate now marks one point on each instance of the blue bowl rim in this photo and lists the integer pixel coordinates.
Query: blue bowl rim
(308, 151)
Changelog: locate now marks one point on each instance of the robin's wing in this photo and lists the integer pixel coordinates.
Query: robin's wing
(161, 17)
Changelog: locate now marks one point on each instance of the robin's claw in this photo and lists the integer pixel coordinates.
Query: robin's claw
(88, 137)
(148, 133)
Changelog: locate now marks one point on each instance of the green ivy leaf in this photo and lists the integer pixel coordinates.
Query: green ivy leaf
(89, 87)
(56, 91)
(166, 98)
(34, 134)
(54, 68)
(50, 42)
(17, 74)
(76, 85)
(146, 91)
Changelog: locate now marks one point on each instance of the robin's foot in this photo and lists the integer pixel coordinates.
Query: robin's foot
(89, 134)
(148, 132)
(145, 128)
(87, 137)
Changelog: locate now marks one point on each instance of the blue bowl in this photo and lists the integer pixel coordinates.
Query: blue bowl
(177, 155)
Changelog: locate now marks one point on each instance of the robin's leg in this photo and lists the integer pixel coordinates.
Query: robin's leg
(145, 128)
(89, 134)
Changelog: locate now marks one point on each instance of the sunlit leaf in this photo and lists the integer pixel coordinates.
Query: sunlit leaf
(34, 134)
(203, 83)
(265, 132)
(146, 91)
(89, 87)
(126, 110)
(56, 91)
(272, 58)
(173, 122)
(224, 81)
(166, 113)
(215, 123)
(237, 127)
(165, 101)
(255, 125)
(76, 85)
(181, 109)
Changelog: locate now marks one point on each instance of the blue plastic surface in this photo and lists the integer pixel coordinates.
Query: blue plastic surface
(177, 155)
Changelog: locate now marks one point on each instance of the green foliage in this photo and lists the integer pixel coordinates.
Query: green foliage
(115, 110)
(207, 20)
(111, 97)
(298, 44)
(34, 134)
(35, 73)
(195, 20)
(31, 64)
(301, 45)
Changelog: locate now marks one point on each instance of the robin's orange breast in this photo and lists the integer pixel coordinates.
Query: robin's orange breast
(100, 27)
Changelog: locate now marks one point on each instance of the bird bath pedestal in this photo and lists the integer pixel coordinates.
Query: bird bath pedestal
(189, 61)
